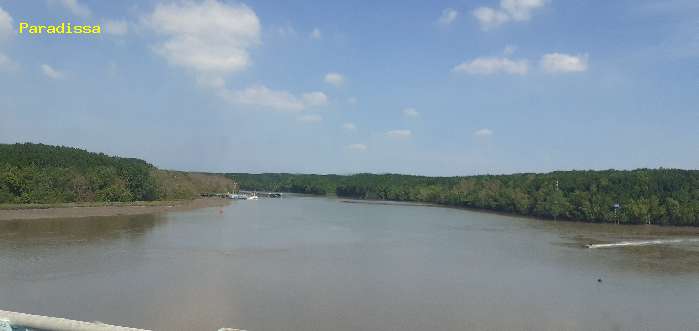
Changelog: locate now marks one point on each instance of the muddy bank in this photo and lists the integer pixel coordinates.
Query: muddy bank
(30, 212)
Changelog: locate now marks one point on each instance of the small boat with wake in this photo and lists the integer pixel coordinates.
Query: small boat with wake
(634, 243)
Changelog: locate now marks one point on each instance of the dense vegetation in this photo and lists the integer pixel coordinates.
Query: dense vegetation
(296, 183)
(37, 173)
(184, 185)
(660, 196)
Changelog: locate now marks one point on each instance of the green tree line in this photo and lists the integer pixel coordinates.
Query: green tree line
(657, 196)
(37, 173)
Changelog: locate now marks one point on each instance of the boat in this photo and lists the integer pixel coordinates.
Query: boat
(236, 196)
(252, 197)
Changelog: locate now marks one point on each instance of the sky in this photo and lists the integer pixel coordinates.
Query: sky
(416, 87)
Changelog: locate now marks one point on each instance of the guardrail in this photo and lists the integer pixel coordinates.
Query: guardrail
(12, 321)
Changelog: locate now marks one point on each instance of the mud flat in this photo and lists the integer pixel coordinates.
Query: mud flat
(30, 212)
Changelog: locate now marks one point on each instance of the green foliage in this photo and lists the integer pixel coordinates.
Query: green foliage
(37, 173)
(655, 196)
(308, 184)
(174, 185)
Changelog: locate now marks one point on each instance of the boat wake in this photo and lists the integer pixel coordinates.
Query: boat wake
(643, 243)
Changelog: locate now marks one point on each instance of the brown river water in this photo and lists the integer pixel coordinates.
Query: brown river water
(306, 263)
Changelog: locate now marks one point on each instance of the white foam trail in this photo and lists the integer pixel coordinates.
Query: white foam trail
(642, 243)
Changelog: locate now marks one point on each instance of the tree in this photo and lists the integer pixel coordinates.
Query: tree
(639, 210)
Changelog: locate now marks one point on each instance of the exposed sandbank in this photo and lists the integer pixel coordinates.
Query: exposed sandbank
(74, 210)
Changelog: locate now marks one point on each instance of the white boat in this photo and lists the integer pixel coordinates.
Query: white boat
(236, 196)
(252, 197)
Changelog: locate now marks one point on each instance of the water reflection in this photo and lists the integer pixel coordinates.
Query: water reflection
(55, 248)
(83, 229)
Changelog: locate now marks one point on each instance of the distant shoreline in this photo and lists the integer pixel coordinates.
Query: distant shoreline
(390, 202)
(102, 209)
(513, 215)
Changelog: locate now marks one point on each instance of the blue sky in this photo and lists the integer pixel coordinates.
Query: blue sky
(418, 87)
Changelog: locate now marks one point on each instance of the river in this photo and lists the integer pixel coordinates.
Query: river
(309, 263)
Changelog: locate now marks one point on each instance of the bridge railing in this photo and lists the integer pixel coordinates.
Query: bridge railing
(12, 321)
(20, 322)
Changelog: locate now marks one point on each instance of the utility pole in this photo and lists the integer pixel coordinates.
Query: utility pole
(555, 215)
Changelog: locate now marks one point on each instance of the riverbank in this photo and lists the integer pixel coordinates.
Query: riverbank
(96, 209)
(663, 196)
(671, 229)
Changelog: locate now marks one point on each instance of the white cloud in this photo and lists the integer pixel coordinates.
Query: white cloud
(492, 65)
(315, 34)
(483, 133)
(334, 79)
(75, 7)
(6, 32)
(349, 126)
(116, 27)
(410, 112)
(286, 31)
(310, 119)
(50, 72)
(211, 81)
(448, 16)
(262, 96)
(357, 147)
(210, 38)
(399, 134)
(508, 10)
(6, 62)
(489, 17)
(315, 99)
(7, 29)
(520, 10)
(561, 63)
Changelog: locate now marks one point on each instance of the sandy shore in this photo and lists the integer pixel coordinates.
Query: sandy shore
(21, 212)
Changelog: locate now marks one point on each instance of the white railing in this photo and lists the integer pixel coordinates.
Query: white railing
(55, 324)
(10, 321)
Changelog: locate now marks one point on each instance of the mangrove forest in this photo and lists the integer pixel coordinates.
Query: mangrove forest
(655, 196)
